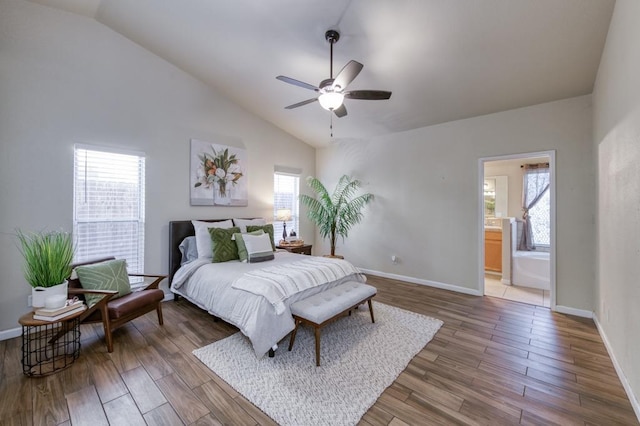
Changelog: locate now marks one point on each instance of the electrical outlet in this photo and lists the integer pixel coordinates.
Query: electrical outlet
(29, 304)
(394, 259)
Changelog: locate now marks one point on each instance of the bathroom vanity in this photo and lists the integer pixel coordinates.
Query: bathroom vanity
(493, 248)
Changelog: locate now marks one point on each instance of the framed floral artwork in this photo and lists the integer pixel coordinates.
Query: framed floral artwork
(218, 175)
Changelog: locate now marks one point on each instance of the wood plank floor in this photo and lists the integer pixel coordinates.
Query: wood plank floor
(493, 362)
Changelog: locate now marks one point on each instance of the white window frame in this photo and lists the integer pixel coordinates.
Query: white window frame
(291, 202)
(109, 166)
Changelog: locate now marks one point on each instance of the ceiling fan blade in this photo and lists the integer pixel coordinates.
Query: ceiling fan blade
(346, 75)
(299, 104)
(297, 83)
(341, 111)
(368, 95)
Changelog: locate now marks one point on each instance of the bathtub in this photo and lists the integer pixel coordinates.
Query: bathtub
(531, 269)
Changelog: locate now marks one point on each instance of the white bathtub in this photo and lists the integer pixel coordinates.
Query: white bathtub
(531, 269)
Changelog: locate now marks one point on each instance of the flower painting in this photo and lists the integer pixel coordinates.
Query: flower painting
(218, 175)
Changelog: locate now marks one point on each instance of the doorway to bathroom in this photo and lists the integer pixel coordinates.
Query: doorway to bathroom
(517, 227)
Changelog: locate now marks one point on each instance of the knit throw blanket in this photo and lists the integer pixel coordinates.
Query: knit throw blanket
(277, 283)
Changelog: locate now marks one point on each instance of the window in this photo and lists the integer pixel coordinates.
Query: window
(285, 196)
(108, 205)
(536, 187)
(540, 217)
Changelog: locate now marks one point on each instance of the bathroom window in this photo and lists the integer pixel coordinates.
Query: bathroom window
(537, 197)
(540, 217)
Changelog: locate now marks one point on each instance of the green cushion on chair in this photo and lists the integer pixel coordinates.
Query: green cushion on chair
(110, 275)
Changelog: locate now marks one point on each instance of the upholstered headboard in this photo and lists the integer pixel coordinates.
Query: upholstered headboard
(178, 231)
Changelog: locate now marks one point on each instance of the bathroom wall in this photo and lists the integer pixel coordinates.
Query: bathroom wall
(513, 171)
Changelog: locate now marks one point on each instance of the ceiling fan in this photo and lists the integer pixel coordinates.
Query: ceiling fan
(332, 90)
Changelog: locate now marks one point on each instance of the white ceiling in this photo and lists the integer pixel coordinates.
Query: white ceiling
(443, 60)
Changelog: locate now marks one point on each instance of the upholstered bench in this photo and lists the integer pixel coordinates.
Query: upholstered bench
(323, 308)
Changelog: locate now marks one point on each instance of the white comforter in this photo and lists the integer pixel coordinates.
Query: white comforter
(210, 286)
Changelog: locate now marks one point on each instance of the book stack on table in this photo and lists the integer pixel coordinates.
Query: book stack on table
(57, 314)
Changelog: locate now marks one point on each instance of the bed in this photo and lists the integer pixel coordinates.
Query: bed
(227, 290)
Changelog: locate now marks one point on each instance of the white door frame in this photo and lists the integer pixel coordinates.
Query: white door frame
(552, 201)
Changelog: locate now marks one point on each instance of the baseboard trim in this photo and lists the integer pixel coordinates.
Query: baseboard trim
(505, 281)
(15, 332)
(573, 311)
(428, 283)
(623, 379)
(10, 334)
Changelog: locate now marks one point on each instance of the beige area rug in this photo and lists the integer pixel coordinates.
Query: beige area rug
(359, 361)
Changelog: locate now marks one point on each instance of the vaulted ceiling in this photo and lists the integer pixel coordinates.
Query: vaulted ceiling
(443, 60)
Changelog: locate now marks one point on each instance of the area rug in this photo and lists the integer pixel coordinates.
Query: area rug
(359, 360)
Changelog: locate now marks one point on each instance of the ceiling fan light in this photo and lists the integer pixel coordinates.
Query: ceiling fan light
(331, 100)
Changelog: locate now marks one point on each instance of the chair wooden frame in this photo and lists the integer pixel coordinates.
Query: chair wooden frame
(99, 312)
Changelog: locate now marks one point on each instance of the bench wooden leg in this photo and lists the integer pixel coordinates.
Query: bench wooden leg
(292, 339)
(317, 329)
(371, 310)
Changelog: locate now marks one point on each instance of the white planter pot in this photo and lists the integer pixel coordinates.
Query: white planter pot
(40, 294)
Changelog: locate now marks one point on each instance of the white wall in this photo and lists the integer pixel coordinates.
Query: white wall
(426, 186)
(66, 79)
(616, 121)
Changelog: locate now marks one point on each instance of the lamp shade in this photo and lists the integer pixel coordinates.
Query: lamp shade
(283, 214)
(331, 100)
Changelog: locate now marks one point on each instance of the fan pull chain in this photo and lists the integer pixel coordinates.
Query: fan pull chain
(331, 123)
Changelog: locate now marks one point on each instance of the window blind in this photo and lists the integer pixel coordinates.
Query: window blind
(108, 205)
(285, 196)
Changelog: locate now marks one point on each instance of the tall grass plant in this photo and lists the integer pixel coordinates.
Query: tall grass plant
(47, 255)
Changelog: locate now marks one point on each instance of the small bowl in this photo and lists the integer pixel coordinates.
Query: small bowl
(55, 302)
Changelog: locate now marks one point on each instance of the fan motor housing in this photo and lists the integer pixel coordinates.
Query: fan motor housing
(326, 84)
(332, 36)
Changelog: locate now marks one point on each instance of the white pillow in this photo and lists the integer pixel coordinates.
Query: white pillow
(242, 223)
(258, 247)
(203, 238)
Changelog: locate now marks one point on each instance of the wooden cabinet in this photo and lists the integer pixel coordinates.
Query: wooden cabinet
(304, 249)
(493, 250)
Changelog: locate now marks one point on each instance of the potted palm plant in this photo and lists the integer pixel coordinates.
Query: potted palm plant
(335, 214)
(48, 257)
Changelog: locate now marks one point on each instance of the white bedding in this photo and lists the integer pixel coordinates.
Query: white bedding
(210, 286)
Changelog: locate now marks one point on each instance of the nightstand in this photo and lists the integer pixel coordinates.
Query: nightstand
(49, 346)
(303, 249)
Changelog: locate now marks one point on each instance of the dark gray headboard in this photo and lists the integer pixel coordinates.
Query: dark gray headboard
(178, 231)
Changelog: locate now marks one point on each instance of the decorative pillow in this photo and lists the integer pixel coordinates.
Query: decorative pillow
(258, 247)
(188, 249)
(267, 229)
(242, 248)
(224, 247)
(108, 275)
(242, 223)
(203, 239)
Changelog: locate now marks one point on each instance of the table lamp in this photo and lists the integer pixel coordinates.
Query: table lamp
(284, 215)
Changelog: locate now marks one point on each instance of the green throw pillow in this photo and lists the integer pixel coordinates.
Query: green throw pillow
(224, 248)
(242, 248)
(108, 275)
(266, 228)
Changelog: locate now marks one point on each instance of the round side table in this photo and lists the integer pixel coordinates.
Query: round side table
(49, 346)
